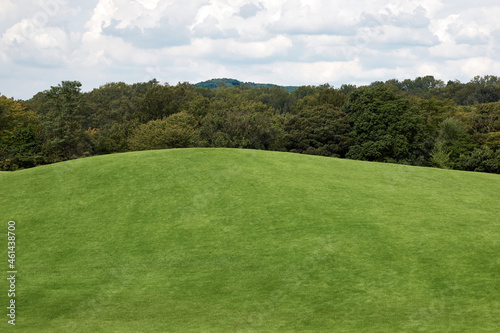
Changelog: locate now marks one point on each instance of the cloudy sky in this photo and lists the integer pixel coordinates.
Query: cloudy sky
(288, 42)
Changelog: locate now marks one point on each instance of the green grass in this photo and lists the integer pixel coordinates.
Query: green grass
(222, 240)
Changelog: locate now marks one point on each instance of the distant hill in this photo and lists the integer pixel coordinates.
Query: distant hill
(215, 83)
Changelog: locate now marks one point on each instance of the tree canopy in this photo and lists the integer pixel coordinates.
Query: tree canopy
(421, 121)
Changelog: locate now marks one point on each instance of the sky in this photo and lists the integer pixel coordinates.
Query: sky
(289, 42)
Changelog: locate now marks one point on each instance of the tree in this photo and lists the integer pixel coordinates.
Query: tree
(385, 127)
(303, 91)
(64, 136)
(325, 96)
(481, 159)
(112, 102)
(14, 116)
(162, 101)
(434, 110)
(175, 131)
(452, 141)
(275, 97)
(321, 130)
(20, 142)
(243, 126)
(485, 118)
(114, 137)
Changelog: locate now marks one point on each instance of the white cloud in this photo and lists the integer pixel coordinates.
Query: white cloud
(282, 41)
(7, 7)
(149, 4)
(251, 50)
(317, 72)
(476, 66)
(452, 51)
(103, 14)
(43, 46)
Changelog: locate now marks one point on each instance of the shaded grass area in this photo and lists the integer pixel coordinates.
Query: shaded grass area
(219, 240)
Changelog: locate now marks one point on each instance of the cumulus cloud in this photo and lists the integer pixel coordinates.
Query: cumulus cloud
(210, 27)
(249, 10)
(289, 42)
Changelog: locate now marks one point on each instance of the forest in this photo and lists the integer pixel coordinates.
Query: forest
(422, 122)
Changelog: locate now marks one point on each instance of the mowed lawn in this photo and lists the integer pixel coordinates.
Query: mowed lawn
(227, 240)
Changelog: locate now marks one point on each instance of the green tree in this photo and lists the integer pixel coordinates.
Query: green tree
(303, 91)
(19, 136)
(162, 101)
(243, 126)
(64, 136)
(386, 127)
(481, 159)
(324, 96)
(277, 98)
(321, 130)
(452, 141)
(483, 123)
(434, 111)
(13, 115)
(114, 137)
(175, 131)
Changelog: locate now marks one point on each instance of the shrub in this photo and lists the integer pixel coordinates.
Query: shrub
(175, 131)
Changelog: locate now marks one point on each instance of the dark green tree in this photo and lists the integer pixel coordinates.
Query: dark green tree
(162, 101)
(452, 141)
(321, 130)
(277, 98)
(326, 95)
(481, 159)
(386, 127)
(243, 126)
(64, 135)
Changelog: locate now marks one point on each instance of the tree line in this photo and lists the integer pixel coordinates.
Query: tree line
(422, 122)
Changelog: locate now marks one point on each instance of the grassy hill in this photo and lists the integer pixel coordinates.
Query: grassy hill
(223, 240)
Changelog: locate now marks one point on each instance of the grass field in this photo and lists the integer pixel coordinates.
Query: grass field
(222, 240)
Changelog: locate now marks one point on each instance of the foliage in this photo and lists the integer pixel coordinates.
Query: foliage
(420, 86)
(13, 116)
(175, 131)
(232, 83)
(385, 127)
(274, 97)
(246, 126)
(434, 111)
(440, 155)
(325, 96)
(64, 134)
(403, 121)
(20, 143)
(479, 90)
(452, 141)
(113, 138)
(320, 130)
(113, 102)
(162, 101)
(482, 159)
(485, 119)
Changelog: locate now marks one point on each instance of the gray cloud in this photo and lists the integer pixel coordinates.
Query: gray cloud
(285, 42)
(164, 35)
(249, 10)
(208, 28)
(416, 19)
